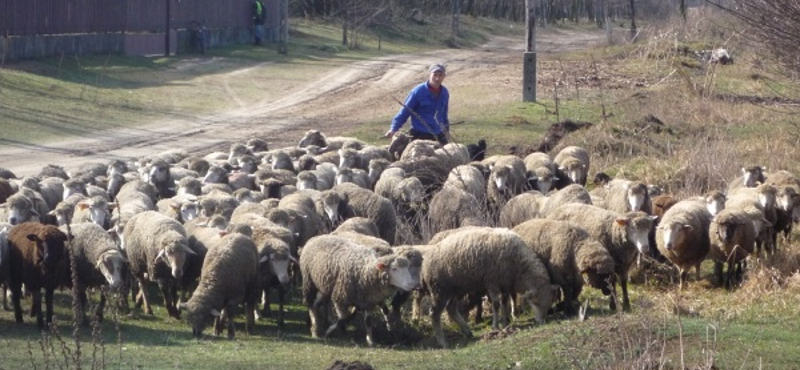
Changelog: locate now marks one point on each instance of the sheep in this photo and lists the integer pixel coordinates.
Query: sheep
(160, 177)
(358, 225)
(627, 196)
(569, 253)
(4, 261)
(156, 246)
(180, 207)
(506, 180)
(306, 224)
(134, 197)
(95, 209)
(432, 171)
(238, 150)
(365, 203)
(19, 209)
(468, 178)
(229, 277)
(455, 153)
(682, 236)
(51, 170)
(248, 196)
(115, 182)
(572, 193)
(758, 208)
(452, 208)
(276, 256)
(732, 238)
(356, 176)
(540, 171)
(333, 208)
(347, 274)
(99, 263)
(625, 236)
(788, 201)
(73, 186)
(7, 174)
(523, 207)
(574, 162)
(315, 137)
(375, 169)
(39, 259)
(751, 176)
(307, 180)
(496, 261)
(477, 151)
(5, 190)
(388, 181)
(218, 202)
(39, 203)
(52, 190)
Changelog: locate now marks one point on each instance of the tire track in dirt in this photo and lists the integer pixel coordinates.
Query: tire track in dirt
(346, 96)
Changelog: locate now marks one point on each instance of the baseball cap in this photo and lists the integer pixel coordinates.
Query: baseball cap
(437, 68)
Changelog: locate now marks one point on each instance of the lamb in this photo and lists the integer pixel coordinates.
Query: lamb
(682, 236)
(477, 260)
(452, 208)
(367, 204)
(523, 207)
(99, 263)
(39, 259)
(156, 246)
(732, 238)
(625, 236)
(627, 196)
(229, 277)
(540, 171)
(569, 253)
(347, 275)
(574, 162)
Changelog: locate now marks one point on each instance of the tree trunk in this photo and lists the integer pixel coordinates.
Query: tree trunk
(456, 8)
(633, 20)
(683, 9)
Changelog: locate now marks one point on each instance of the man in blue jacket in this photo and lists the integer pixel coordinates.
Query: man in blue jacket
(427, 106)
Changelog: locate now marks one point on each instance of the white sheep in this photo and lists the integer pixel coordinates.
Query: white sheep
(540, 171)
(573, 161)
(484, 260)
(732, 239)
(347, 274)
(682, 236)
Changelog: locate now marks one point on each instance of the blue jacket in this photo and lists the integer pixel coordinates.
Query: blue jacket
(432, 110)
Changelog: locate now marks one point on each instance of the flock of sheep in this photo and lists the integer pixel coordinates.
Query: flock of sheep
(360, 227)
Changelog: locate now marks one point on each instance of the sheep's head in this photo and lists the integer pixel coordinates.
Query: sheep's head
(752, 175)
(50, 246)
(173, 252)
(112, 265)
(674, 234)
(637, 228)
(199, 315)
(394, 271)
(540, 300)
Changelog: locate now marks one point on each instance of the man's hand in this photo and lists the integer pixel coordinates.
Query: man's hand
(389, 133)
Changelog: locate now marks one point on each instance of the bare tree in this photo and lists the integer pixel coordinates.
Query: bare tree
(773, 22)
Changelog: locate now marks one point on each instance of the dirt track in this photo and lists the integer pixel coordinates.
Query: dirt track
(346, 96)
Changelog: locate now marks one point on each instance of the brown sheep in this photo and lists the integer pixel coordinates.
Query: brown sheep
(39, 259)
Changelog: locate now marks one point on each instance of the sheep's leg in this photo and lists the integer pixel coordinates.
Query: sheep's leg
(498, 309)
(6, 307)
(36, 308)
(102, 305)
(344, 315)
(436, 319)
(80, 308)
(230, 311)
(16, 294)
(249, 314)
(416, 307)
(612, 299)
(719, 273)
(167, 288)
(368, 327)
(266, 310)
(281, 300)
(143, 297)
(452, 310)
(623, 283)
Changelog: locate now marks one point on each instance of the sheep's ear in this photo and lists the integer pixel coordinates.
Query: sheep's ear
(533, 178)
(555, 178)
(263, 259)
(291, 258)
(215, 313)
(222, 233)
(160, 256)
(652, 217)
(82, 206)
(188, 250)
(182, 305)
(688, 227)
(381, 266)
(621, 221)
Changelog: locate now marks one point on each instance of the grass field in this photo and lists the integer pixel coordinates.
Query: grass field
(708, 123)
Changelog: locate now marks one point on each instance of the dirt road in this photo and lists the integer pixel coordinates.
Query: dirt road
(346, 96)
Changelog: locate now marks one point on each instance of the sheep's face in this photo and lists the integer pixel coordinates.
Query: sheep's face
(751, 176)
(786, 199)
(604, 282)
(159, 173)
(715, 204)
(74, 188)
(174, 255)
(215, 175)
(726, 232)
(767, 199)
(397, 272)
(20, 210)
(638, 226)
(279, 264)
(98, 213)
(312, 137)
(637, 196)
(50, 251)
(501, 176)
(111, 265)
(189, 211)
(199, 317)
(540, 300)
(674, 234)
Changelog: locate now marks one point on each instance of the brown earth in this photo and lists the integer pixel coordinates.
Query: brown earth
(345, 97)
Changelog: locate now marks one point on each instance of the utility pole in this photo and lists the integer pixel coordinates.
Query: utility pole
(168, 27)
(529, 58)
